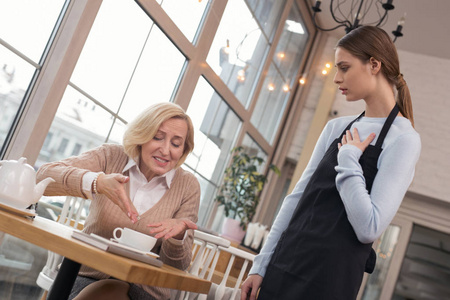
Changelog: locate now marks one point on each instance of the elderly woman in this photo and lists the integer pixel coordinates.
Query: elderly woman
(139, 185)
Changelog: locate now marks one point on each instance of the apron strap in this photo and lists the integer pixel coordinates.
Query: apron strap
(390, 119)
(351, 123)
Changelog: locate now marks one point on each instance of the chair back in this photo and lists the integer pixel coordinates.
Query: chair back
(205, 254)
(70, 216)
(222, 292)
(207, 251)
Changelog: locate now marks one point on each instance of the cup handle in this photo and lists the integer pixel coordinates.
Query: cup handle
(115, 233)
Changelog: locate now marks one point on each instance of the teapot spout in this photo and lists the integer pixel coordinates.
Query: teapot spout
(40, 188)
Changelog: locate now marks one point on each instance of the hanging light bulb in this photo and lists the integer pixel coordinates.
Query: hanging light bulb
(227, 47)
(241, 75)
(302, 81)
(398, 32)
(286, 88)
(271, 87)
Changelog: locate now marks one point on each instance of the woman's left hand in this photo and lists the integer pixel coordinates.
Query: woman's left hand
(169, 228)
(355, 140)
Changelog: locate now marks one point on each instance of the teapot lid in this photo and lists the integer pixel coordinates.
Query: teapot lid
(21, 161)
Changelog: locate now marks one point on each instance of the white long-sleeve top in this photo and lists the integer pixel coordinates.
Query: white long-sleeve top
(371, 214)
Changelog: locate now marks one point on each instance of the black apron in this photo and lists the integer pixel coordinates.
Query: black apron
(318, 256)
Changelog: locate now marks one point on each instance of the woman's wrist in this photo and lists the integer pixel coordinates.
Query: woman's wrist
(95, 183)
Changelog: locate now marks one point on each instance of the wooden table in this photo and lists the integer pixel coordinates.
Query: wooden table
(57, 238)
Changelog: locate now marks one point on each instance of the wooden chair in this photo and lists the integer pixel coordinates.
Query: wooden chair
(205, 254)
(224, 265)
(70, 216)
(222, 292)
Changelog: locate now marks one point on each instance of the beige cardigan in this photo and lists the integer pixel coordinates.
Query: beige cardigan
(180, 201)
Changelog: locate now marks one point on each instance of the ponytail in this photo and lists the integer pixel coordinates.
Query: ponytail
(404, 98)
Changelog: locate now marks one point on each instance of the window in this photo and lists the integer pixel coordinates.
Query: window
(76, 149)
(179, 10)
(279, 82)
(238, 50)
(47, 141)
(63, 146)
(112, 82)
(140, 70)
(24, 34)
(216, 130)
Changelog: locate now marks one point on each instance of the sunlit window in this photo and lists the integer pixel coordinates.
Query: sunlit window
(24, 35)
(238, 50)
(216, 129)
(280, 78)
(178, 10)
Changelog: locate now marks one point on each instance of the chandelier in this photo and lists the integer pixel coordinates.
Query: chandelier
(357, 14)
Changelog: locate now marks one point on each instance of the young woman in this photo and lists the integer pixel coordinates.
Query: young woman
(138, 185)
(320, 244)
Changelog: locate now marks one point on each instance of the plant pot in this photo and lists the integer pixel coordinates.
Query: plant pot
(232, 231)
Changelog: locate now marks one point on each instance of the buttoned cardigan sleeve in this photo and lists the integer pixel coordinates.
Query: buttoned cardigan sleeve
(68, 173)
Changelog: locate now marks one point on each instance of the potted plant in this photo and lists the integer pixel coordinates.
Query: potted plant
(240, 191)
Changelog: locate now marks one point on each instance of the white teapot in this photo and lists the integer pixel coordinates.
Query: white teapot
(18, 186)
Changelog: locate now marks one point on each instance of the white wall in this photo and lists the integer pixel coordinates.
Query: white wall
(429, 81)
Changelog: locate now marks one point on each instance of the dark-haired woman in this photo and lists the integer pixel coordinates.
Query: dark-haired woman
(320, 244)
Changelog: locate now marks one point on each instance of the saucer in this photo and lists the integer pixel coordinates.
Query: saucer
(149, 253)
(22, 212)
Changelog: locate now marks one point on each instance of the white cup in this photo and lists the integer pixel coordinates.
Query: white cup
(134, 239)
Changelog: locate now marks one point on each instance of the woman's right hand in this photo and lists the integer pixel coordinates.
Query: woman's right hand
(250, 287)
(113, 187)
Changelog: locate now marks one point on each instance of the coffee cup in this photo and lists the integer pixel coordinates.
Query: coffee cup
(135, 239)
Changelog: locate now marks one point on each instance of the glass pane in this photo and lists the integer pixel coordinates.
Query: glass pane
(271, 104)
(27, 24)
(385, 250)
(20, 264)
(116, 135)
(112, 51)
(179, 10)
(155, 76)
(268, 13)
(253, 149)
(291, 47)
(15, 76)
(216, 127)
(238, 50)
(78, 123)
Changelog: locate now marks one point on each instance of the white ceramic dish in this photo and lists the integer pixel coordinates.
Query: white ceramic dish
(134, 249)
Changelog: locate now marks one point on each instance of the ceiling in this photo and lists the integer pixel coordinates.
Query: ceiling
(426, 30)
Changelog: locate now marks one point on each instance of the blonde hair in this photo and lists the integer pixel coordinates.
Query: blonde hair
(369, 41)
(145, 126)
